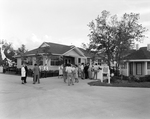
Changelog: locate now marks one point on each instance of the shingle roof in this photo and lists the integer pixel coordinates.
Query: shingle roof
(54, 48)
(57, 49)
(142, 53)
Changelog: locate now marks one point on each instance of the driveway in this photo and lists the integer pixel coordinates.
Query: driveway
(54, 99)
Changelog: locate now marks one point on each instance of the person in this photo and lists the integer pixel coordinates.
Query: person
(86, 67)
(69, 74)
(60, 68)
(82, 71)
(23, 73)
(95, 70)
(36, 72)
(26, 68)
(40, 67)
(64, 73)
(79, 70)
(76, 74)
(90, 71)
(73, 72)
(45, 70)
(99, 73)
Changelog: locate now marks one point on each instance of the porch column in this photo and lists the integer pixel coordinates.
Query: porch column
(145, 68)
(127, 68)
(76, 60)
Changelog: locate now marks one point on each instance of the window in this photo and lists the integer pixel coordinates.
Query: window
(148, 65)
(124, 65)
(55, 61)
(79, 60)
(29, 61)
(41, 62)
(88, 60)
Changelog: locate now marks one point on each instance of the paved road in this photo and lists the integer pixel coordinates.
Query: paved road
(53, 99)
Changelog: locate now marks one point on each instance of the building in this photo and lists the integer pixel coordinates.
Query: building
(69, 54)
(137, 63)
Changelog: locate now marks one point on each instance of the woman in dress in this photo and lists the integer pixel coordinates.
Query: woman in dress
(60, 71)
(23, 73)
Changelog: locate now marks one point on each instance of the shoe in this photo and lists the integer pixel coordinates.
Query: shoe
(33, 83)
(22, 83)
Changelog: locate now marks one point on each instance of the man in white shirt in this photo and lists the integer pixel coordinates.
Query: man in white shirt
(69, 71)
(96, 69)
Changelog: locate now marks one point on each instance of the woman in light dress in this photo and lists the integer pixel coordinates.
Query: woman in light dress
(60, 71)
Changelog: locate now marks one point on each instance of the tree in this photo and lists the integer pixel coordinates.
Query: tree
(21, 51)
(39, 56)
(128, 31)
(8, 51)
(112, 37)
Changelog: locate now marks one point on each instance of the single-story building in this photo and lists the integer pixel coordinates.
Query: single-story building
(69, 54)
(137, 63)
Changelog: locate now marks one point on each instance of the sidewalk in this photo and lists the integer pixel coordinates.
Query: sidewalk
(54, 99)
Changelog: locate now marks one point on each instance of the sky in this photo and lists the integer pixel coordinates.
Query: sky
(32, 22)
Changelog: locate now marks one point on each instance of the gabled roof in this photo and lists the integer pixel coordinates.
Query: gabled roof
(55, 48)
(142, 53)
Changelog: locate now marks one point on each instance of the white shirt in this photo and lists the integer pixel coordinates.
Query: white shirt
(69, 69)
(23, 72)
(82, 67)
(45, 68)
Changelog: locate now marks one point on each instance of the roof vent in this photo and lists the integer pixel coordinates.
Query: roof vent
(148, 47)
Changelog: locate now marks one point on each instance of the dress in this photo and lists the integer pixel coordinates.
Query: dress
(99, 74)
(60, 70)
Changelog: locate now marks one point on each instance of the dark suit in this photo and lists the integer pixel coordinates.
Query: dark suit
(36, 72)
(26, 68)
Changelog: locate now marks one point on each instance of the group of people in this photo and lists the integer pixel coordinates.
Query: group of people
(72, 73)
(38, 72)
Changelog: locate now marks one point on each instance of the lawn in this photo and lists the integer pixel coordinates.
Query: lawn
(121, 84)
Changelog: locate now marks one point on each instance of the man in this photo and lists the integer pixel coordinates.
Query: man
(26, 68)
(69, 74)
(40, 67)
(96, 69)
(23, 73)
(86, 67)
(36, 72)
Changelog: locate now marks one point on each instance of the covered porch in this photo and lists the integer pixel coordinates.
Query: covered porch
(136, 68)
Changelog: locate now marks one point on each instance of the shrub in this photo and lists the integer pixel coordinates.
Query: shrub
(133, 79)
(115, 79)
(146, 78)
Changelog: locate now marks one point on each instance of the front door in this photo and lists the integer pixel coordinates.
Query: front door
(139, 68)
(69, 60)
(131, 68)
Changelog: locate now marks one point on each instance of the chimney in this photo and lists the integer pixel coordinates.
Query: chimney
(148, 47)
(137, 46)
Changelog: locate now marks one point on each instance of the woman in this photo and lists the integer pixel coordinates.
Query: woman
(23, 74)
(76, 74)
(60, 71)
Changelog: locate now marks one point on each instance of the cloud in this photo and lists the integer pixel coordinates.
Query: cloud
(34, 41)
(31, 42)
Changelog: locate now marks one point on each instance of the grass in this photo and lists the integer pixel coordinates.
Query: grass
(121, 84)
